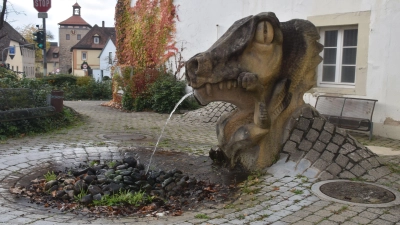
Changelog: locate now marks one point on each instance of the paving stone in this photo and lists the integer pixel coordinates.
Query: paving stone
(297, 135)
(312, 155)
(363, 153)
(290, 147)
(337, 218)
(338, 139)
(366, 165)
(312, 135)
(319, 146)
(303, 124)
(390, 217)
(332, 148)
(354, 156)
(373, 162)
(321, 164)
(325, 175)
(334, 169)
(360, 220)
(305, 145)
(368, 215)
(291, 219)
(325, 137)
(296, 156)
(358, 170)
(346, 175)
(381, 222)
(318, 124)
(313, 218)
(327, 156)
(342, 160)
(349, 166)
(329, 127)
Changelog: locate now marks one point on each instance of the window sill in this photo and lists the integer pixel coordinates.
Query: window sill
(332, 90)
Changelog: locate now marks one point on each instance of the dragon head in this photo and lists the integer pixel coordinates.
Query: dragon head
(263, 67)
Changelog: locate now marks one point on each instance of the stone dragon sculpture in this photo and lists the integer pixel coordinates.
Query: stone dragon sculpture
(263, 67)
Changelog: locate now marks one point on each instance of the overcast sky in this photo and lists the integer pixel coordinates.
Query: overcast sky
(92, 11)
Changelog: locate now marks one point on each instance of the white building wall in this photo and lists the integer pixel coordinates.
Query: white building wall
(197, 30)
(104, 61)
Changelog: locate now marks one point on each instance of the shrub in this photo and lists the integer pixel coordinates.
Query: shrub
(83, 81)
(166, 92)
(37, 125)
(59, 80)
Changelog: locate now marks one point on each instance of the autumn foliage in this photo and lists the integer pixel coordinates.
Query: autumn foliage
(145, 41)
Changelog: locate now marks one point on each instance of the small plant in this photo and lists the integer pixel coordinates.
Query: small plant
(297, 191)
(124, 197)
(93, 163)
(358, 179)
(240, 217)
(202, 216)
(81, 194)
(342, 209)
(111, 164)
(229, 206)
(50, 176)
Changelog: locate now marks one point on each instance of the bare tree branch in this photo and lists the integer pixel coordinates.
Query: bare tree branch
(3, 12)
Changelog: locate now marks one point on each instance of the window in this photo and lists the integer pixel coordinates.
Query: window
(84, 56)
(110, 58)
(55, 55)
(344, 69)
(340, 52)
(78, 37)
(96, 40)
(67, 37)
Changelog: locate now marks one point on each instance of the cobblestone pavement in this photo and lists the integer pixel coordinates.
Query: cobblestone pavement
(265, 200)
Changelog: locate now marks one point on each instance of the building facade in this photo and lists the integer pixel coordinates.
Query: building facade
(360, 54)
(107, 59)
(17, 54)
(88, 50)
(71, 31)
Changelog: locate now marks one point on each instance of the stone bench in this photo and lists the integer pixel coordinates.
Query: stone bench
(347, 113)
(19, 104)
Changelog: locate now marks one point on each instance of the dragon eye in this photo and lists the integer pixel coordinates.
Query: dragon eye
(264, 33)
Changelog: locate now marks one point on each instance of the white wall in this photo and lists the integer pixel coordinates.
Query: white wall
(197, 31)
(104, 59)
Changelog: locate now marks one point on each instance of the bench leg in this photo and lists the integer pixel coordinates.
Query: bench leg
(371, 130)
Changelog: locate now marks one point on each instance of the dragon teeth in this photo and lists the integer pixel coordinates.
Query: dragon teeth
(208, 89)
(229, 84)
(221, 86)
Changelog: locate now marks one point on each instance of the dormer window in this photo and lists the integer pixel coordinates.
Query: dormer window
(96, 39)
(55, 55)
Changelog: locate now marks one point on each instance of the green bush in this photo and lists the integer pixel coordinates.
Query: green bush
(127, 101)
(166, 92)
(59, 80)
(143, 102)
(83, 81)
(37, 125)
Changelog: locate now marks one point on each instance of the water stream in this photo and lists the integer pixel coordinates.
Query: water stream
(162, 131)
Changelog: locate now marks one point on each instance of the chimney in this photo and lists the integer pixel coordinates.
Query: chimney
(102, 22)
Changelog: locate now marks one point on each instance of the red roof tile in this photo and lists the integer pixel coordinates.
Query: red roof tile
(75, 20)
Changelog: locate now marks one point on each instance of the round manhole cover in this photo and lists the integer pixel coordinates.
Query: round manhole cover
(356, 193)
(125, 137)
